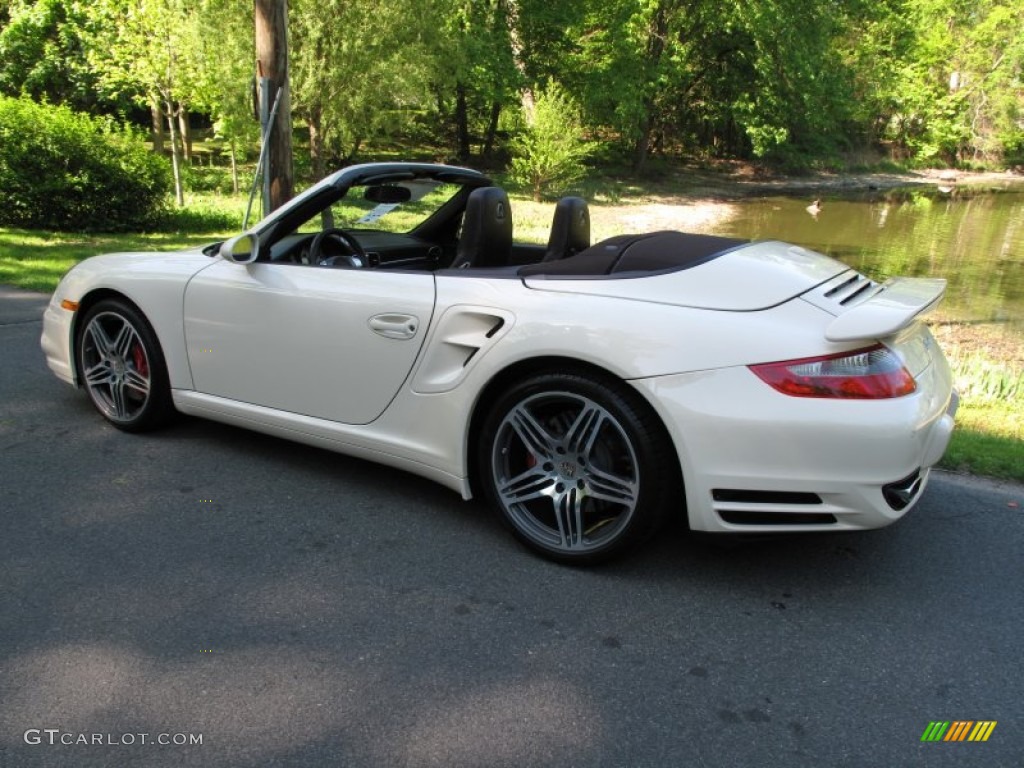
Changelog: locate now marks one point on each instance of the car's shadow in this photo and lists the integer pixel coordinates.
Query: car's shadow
(674, 553)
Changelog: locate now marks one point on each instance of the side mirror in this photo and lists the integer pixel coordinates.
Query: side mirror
(242, 249)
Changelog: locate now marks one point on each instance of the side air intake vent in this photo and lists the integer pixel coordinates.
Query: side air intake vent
(741, 506)
(738, 517)
(461, 338)
(765, 497)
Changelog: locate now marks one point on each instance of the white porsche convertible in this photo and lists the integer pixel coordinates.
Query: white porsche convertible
(587, 390)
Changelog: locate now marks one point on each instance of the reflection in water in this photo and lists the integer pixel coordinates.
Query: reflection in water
(976, 241)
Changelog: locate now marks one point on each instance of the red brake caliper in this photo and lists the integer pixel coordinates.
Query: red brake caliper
(139, 358)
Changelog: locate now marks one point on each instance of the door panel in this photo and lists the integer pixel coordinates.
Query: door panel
(306, 339)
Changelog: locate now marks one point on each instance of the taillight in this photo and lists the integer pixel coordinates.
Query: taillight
(864, 374)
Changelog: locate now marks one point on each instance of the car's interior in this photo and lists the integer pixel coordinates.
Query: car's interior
(442, 225)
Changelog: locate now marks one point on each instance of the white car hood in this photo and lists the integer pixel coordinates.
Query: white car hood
(748, 278)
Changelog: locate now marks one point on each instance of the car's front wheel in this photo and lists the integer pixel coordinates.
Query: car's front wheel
(122, 367)
(580, 468)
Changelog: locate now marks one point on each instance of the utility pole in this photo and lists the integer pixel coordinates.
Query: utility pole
(272, 70)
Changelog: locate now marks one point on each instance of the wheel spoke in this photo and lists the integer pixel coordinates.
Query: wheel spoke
(98, 375)
(120, 402)
(136, 381)
(535, 437)
(99, 337)
(608, 487)
(569, 514)
(531, 484)
(123, 342)
(582, 434)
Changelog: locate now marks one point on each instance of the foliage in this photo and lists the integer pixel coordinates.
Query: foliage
(357, 71)
(478, 68)
(43, 48)
(222, 84)
(941, 78)
(549, 152)
(67, 171)
(983, 380)
(932, 81)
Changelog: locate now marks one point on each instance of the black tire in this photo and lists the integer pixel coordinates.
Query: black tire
(122, 367)
(579, 467)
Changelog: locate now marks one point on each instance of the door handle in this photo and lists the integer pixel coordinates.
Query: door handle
(394, 325)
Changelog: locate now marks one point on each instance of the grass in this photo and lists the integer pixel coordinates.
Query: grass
(36, 260)
(988, 366)
(988, 440)
(987, 359)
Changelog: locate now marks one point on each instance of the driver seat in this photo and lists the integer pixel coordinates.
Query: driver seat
(570, 229)
(486, 239)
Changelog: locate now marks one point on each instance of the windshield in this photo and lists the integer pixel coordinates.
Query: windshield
(398, 207)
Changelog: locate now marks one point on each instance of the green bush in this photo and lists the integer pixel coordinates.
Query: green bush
(63, 170)
(549, 154)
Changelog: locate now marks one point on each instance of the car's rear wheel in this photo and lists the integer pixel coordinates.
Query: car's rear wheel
(122, 367)
(580, 468)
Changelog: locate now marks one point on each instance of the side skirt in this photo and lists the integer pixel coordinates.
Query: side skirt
(340, 438)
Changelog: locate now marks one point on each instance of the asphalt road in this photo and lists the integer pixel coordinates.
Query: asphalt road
(289, 606)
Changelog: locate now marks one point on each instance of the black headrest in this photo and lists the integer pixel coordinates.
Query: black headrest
(570, 229)
(486, 239)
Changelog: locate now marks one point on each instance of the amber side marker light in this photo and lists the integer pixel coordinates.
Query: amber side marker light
(69, 305)
(864, 374)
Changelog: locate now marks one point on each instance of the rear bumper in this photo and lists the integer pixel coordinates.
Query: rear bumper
(755, 460)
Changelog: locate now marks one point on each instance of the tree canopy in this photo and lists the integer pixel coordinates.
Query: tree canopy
(926, 80)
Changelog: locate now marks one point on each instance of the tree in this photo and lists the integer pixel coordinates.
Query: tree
(43, 46)
(645, 67)
(550, 152)
(149, 50)
(358, 71)
(798, 101)
(225, 71)
(964, 77)
(477, 67)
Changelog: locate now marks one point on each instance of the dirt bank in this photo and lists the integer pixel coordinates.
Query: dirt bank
(738, 181)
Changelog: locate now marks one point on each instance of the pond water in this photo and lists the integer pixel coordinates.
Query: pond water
(974, 240)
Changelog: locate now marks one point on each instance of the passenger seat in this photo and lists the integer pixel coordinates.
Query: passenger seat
(570, 229)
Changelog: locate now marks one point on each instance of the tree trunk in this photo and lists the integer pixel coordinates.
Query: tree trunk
(157, 131)
(356, 145)
(492, 130)
(171, 114)
(234, 166)
(656, 34)
(643, 141)
(512, 13)
(462, 122)
(314, 117)
(272, 57)
(186, 134)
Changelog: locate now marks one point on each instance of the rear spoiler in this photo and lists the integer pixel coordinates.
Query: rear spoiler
(893, 307)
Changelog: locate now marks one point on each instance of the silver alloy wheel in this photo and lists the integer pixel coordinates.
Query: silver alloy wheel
(116, 367)
(565, 472)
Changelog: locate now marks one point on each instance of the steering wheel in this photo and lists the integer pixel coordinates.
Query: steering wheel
(355, 256)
